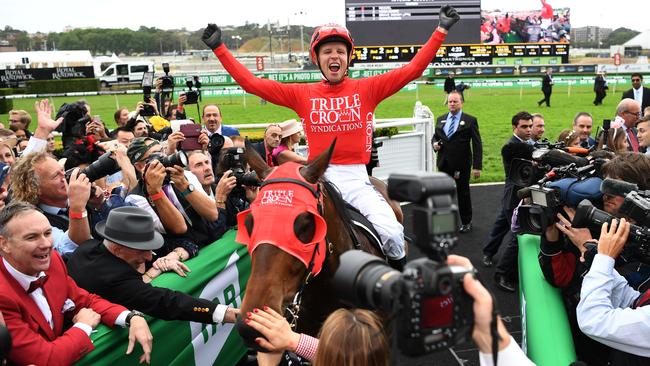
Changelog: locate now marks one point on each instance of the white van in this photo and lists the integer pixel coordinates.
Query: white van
(125, 73)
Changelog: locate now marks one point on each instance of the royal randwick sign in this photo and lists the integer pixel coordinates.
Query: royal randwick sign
(10, 78)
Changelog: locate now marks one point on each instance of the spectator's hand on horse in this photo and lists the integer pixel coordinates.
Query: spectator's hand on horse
(212, 36)
(231, 315)
(448, 17)
(277, 332)
(613, 237)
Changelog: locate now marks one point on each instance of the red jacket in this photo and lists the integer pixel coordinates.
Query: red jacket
(33, 341)
(344, 111)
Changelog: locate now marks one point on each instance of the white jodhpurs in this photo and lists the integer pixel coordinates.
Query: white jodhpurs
(358, 191)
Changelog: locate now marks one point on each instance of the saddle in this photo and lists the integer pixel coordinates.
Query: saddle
(363, 226)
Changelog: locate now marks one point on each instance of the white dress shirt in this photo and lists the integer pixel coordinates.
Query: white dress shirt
(604, 312)
(638, 95)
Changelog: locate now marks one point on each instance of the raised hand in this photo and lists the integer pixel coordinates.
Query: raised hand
(45, 122)
(448, 17)
(212, 36)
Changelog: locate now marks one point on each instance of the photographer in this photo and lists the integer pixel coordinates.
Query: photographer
(234, 169)
(278, 335)
(610, 311)
(173, 197)
(563, 250)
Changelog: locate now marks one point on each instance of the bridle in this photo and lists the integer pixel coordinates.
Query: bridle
(292, 310)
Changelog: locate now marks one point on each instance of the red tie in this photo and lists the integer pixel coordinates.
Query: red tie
(633, 140)
(36, 284)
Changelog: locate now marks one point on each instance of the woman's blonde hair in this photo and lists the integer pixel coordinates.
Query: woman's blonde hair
(352, 338)
(24, 181)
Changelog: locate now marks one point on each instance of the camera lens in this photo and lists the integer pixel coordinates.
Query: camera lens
(589, 216)
(248, 179)
(366, 281)
(179, 158)
(102, 167)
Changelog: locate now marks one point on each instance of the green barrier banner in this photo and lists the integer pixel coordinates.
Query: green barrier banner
(219, 273)
(546, 333)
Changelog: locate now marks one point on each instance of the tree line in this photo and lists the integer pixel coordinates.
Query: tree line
(145, 40)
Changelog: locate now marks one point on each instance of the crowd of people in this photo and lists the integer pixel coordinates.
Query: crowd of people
(533, 26)
(84, 232)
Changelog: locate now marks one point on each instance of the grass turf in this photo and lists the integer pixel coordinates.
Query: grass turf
(493, 107)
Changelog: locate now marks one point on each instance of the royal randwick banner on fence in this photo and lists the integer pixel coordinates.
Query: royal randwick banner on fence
(219, 273)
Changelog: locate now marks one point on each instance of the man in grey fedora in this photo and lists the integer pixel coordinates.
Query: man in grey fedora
(116, 269)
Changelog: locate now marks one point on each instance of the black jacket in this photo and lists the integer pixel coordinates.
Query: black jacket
(646, 97)
(455, 152)
(599, 84)
(98, 271)
(450, 85)
(547, 82)
(513, 149)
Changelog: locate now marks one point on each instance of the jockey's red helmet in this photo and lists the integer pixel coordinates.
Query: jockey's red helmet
(330, 33)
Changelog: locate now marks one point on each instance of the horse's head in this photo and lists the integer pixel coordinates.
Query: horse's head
(284, 232)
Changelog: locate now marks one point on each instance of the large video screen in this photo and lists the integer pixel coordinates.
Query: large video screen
(402, 23)
(489, 32)
(525, 21)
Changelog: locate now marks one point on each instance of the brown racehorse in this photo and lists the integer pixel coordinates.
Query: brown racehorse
(277, 276)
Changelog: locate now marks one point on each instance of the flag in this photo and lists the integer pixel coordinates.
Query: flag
(219, 273)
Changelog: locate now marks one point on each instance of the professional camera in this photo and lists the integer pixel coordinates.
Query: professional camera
(234, 159)
(637, 202)
(638, 245)
(147, 84)
(546, 158)
(433, 311)
(178, 158)
(547, 200)
(100, 168)
(167, 80)
(75, 117)
(5, 343)
(192, 96)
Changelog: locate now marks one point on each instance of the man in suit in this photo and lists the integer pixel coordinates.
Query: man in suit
(454, 134)
(538, 129)
(628, 113)
(38, 299)
(272, 137)
(638, 92)
(583, 124)
(115, 270)
(517, 147)
(547, 87)
(212, 119)
(600, 88)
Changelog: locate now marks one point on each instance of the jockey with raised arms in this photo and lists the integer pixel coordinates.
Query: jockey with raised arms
(342, 108)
